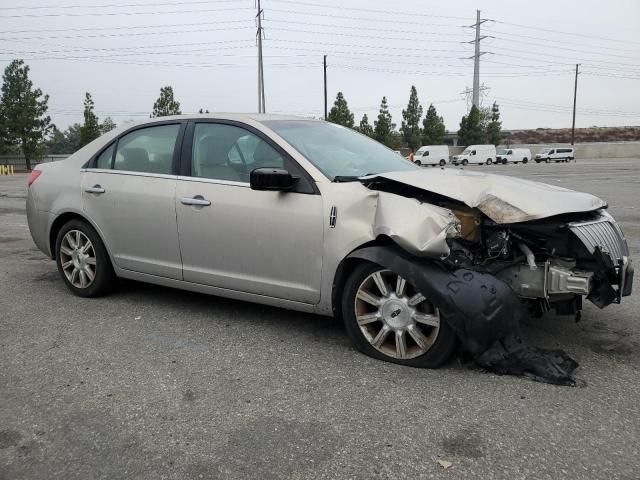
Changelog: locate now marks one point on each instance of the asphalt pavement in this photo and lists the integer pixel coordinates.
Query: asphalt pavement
(152, 383)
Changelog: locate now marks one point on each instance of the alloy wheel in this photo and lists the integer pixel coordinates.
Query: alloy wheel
(395, 318)
(78, 259)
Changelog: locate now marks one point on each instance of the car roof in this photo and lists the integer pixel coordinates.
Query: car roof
(256, 117)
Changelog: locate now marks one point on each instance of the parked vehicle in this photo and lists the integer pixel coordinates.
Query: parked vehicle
(432, 155)
(513, 155)
(311, 216)
(478, 154)
(564, 154)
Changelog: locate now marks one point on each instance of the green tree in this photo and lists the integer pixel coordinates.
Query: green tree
(67, 142)
(365, 127)
(433, 129)
(340, 112)
(107, 125)
(410, 126)
(23, 118)
(494, 127)
(471, 131)
(166, 104)
(91, 128)
(384, 126)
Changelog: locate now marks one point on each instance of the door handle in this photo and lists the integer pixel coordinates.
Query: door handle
(197, 200)
(95, 189)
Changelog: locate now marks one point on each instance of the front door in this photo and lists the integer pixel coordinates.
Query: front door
(129, 194)
(261, 242)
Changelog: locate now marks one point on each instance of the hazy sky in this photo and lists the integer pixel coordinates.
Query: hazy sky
(123, 51)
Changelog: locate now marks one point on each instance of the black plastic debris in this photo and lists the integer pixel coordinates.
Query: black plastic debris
(484, 313)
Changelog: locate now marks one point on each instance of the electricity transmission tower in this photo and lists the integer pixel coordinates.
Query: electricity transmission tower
(476, 58)
(259, 37)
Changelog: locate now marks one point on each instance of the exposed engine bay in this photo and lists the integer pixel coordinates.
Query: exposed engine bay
(550, 263)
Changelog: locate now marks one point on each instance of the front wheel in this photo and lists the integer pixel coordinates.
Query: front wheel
(388, 319)
(465, 163)
(418, 162)
(548, 160)
(83, 261)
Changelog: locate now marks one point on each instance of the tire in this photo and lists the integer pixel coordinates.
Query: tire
(548, 160)
(465, 162)
(418, 163)
(525, 160)
(76, 268)
(504, 162)
(438, 343)
(489, 162)
(442, 163)
(537, 161)
(567, 160)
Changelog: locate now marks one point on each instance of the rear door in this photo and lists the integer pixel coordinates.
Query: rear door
(260, 242)
(129, 193)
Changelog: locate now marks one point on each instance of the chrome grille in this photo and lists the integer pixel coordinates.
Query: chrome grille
(604, 234)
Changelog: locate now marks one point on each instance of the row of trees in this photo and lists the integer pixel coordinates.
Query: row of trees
(477, 127)
(26, 127)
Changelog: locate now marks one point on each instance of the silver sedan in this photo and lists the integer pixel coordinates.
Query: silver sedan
(311, 216)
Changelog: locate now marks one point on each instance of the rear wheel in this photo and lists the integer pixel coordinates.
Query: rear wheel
(567, 159)
(525, 160)
(489, 162)
(442, 163)
(388, 319)
(83, 261)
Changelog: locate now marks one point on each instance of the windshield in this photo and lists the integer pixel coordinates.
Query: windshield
(544, 150)
(467, 151)
(502, 152)
(337, 151)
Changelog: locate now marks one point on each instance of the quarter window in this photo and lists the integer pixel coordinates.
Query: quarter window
(148, 150)
(104, 159)
(227, 152)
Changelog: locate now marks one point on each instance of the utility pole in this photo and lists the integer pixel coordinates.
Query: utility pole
(575, 94)
(325, 87)
(476, 59)
(260, 35)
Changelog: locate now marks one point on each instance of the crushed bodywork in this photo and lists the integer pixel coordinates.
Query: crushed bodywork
(502, 199)
(489, 249)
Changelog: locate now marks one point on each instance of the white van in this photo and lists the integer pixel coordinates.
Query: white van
(432, 155)
(562, 154)
(478, 154)
(513, 155)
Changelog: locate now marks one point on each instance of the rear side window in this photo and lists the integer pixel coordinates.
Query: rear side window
(148, 150)
(104, 159)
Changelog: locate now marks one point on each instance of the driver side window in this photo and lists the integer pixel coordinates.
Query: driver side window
(227, 152)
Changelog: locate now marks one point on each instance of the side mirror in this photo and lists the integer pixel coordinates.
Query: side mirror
(268, 178)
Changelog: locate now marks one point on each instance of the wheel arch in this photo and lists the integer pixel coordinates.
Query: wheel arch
(347, 265)
(65, 217)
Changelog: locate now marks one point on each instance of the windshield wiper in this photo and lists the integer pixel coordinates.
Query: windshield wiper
(349, 178)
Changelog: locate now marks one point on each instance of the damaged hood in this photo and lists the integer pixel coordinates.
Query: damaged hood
(503, 199)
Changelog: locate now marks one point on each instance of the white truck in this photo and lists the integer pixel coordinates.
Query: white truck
(432, 155)
(513, 155)
(476, 154)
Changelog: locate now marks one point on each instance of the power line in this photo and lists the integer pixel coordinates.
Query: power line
(127, 27)
(368, 10)
(113, 14)
(567, 33)
(117, 5)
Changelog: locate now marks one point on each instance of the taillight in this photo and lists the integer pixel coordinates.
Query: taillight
(33, 176)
